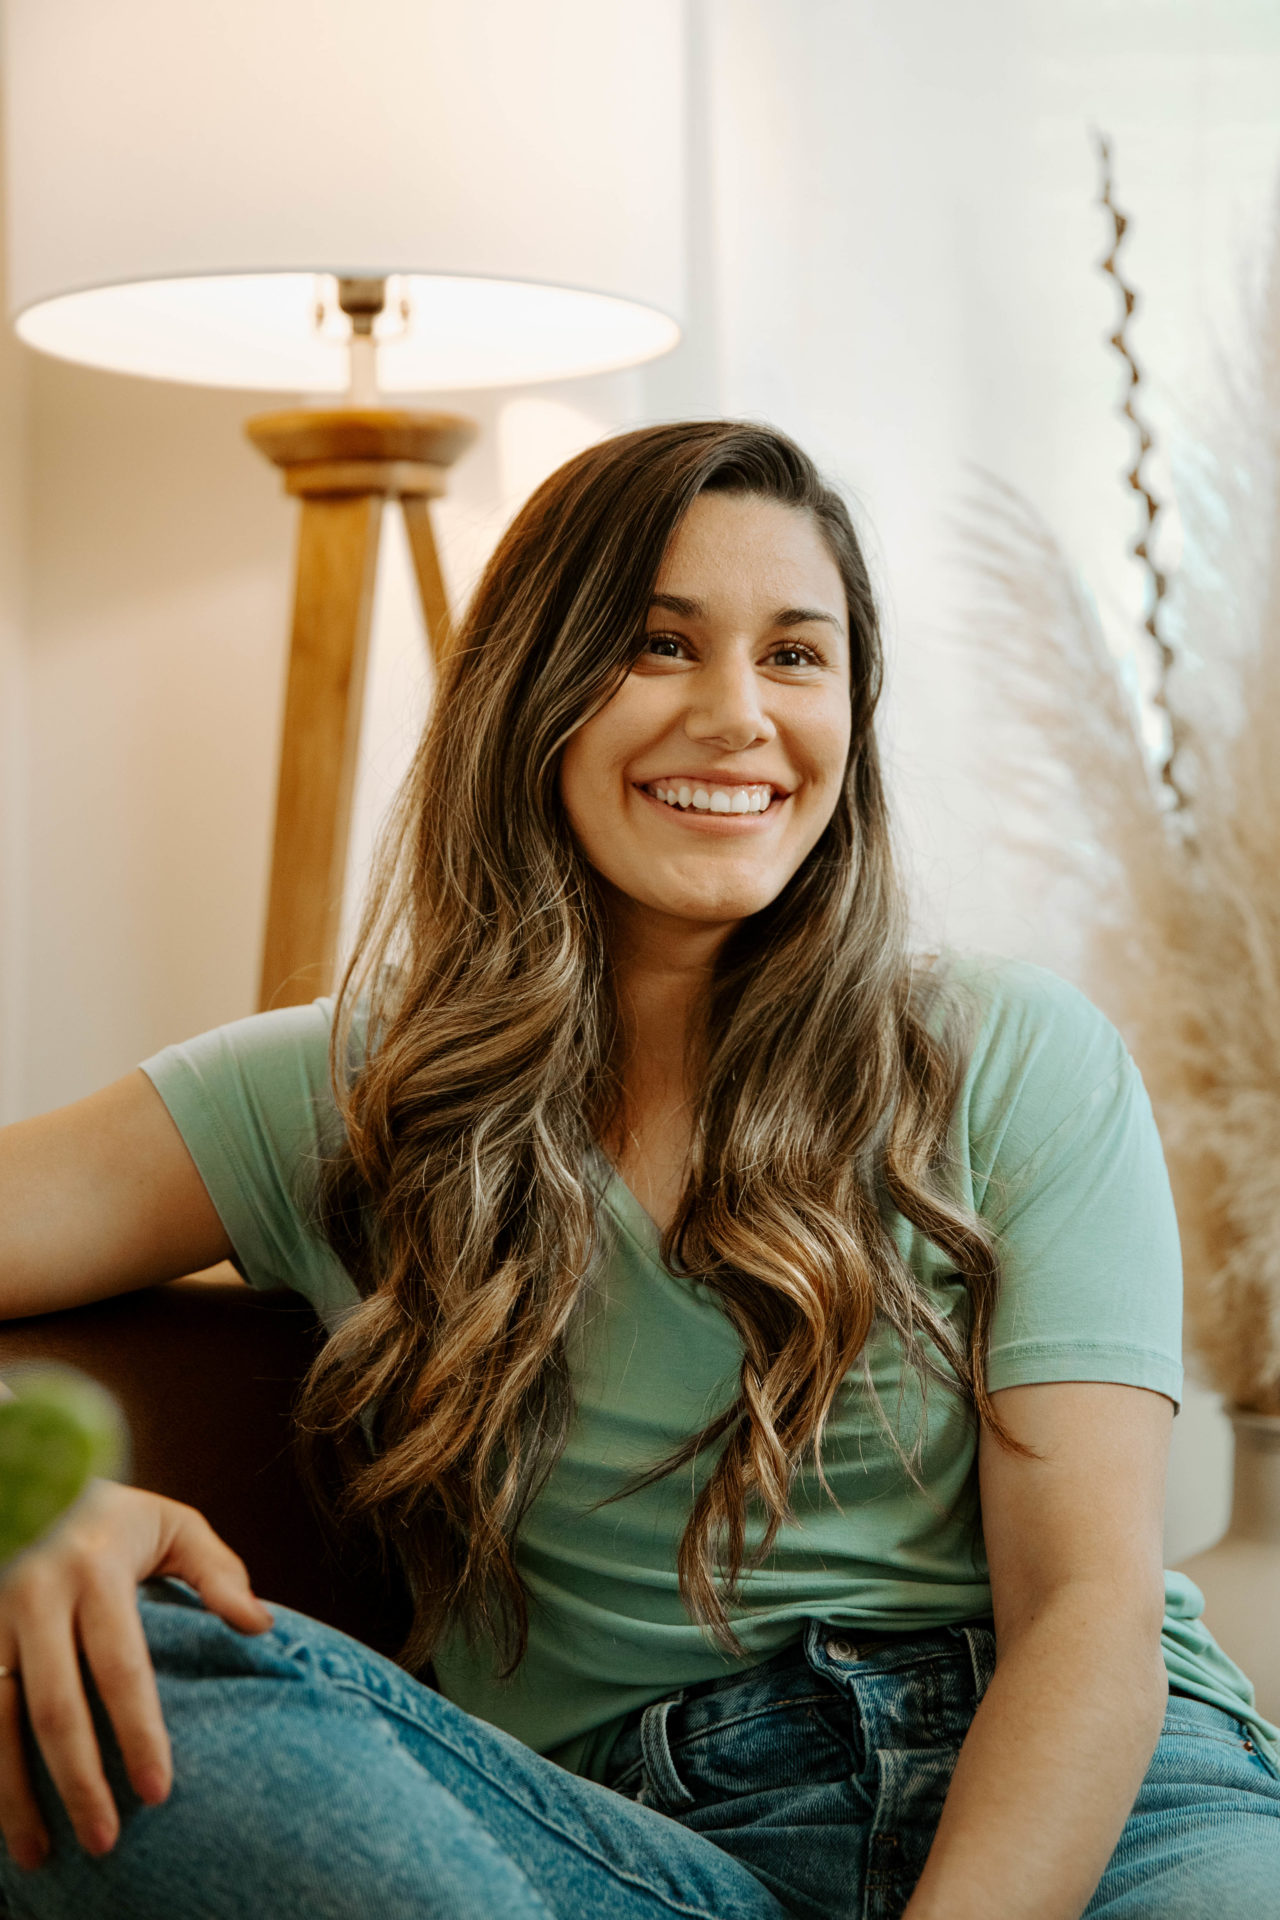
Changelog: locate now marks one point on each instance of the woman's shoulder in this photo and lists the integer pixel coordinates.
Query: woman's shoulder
(1039, 1048)
(254, 1103)
(255, 1092)
(1023, 1002)
(288, 1046)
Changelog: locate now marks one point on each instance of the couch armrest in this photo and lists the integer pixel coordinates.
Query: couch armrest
(205, 1370)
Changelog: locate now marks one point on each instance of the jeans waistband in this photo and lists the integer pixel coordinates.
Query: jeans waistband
(867, 1668)
(842, 1643)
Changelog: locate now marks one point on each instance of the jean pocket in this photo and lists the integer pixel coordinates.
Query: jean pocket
(804, 1738)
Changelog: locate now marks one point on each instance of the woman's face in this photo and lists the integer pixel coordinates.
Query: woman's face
(699, 788)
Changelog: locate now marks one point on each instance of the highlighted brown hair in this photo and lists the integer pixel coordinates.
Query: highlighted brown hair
(461, 1200)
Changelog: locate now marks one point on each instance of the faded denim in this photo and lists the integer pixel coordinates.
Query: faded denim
(314, 1779)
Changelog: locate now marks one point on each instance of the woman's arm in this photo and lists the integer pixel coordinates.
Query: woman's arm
(99, 1198)
(1065, 1732)
(95, 1199)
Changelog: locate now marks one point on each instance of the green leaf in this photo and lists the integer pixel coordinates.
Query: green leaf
(60, 1431)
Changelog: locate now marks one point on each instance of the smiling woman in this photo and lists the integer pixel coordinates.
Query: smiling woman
(739, 694)
(726, 1008)
(700, 787)
(756, 1339)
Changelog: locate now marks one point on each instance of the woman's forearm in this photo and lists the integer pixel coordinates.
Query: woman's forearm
(1050, 1768)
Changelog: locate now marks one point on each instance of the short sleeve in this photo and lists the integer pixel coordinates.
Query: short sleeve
(1075, 1186)
(253, 1103)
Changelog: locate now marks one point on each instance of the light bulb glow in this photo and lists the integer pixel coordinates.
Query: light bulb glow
(258, 330)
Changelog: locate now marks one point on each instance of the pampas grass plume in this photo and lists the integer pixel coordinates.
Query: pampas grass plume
(1183, 949)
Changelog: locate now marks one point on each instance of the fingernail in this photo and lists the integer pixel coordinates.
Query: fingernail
(102, 1837)
(153, 1785)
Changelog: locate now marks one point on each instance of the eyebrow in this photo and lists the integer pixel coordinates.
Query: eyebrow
(784, 617)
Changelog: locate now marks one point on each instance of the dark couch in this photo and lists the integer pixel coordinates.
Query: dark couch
(205, 1370)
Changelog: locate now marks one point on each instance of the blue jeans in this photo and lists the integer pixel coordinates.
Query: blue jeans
(314, 1778)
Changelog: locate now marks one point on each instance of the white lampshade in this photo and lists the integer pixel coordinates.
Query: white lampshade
(184, 177)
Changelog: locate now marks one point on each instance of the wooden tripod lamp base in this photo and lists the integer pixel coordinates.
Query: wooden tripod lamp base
(343, 465)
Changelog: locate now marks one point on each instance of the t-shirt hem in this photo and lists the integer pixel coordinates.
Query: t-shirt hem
(1041, 1362)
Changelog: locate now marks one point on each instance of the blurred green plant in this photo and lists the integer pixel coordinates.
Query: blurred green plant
(59, 1431)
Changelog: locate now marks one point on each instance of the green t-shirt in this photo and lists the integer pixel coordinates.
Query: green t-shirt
(1054, 1144)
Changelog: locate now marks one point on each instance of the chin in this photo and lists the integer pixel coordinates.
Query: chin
(717, 912)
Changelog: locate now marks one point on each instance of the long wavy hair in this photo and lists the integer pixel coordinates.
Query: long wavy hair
(461, 1200)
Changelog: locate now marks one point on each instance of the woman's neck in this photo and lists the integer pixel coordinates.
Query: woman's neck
(660, 976)
(660, 981)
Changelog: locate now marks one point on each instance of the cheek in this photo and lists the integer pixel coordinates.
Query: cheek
(595, 760)
(825, 742)
(580, 764)
(588, 777)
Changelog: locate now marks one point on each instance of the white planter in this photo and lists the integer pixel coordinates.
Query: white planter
(1240, 1576)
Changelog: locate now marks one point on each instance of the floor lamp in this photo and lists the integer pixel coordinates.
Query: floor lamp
(342, 464)
(360, 206)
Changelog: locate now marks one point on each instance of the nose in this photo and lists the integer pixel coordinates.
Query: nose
(725, 705)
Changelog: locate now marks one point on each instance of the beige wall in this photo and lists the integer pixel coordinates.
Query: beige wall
(159, 555)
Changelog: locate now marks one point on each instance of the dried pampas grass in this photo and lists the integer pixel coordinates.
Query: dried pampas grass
(1180, 864)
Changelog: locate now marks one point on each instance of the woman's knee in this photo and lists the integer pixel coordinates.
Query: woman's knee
(307, 1812)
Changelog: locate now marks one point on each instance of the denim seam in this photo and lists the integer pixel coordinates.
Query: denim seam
(702, 1734)
(434, 1733)
(1196, 1730)
(754, 1713)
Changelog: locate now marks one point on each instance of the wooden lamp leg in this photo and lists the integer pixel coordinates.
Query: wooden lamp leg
(324, 699)
(426, 566)
(343, 464)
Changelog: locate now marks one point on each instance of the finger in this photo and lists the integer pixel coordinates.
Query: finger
(197, 1555)
(115, 1647)
(21, 1822)
(62, 1726)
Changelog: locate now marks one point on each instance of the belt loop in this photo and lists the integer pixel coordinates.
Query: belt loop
(656, 1749)
(981, 1642)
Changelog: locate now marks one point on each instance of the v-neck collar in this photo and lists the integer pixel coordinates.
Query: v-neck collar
(625, 1208)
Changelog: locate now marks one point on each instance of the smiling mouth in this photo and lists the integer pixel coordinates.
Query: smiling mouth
(714, 808)
(742, 800)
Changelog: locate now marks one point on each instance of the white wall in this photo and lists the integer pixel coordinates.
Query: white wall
(13, 569)
(893, 255)
(907, 273)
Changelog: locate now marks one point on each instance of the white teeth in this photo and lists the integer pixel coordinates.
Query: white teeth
(714, 799)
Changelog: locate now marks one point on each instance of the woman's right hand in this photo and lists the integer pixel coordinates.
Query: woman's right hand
(76, 1593)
